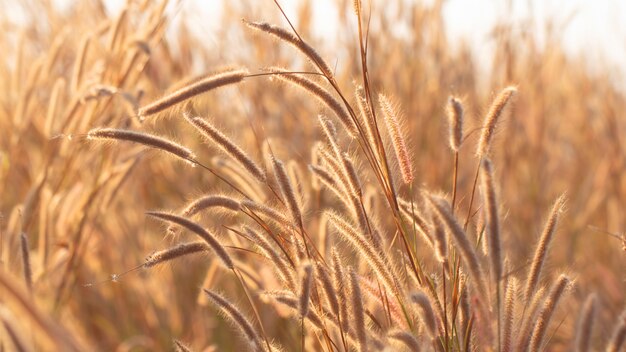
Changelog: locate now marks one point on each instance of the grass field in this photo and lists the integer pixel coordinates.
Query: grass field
(274, 190)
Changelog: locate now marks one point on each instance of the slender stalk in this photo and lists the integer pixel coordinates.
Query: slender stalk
(455, 179)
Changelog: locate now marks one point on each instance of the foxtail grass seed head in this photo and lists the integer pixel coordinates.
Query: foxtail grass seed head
(198, 87)
(207, 202)
(144, 139)
(330, 292)
(543, 246)
(440, 241)
(527, 325)
(392, 121)
(426, 312)
(211, 201)
(198, 230)
(175, 252)
(236, 317)
(510, 298)
(282, 266)
(492, 220)
(377, 260)
(356, 302)
(294, 40)
(444, 213)
(549, 306)
(287, 298)
(367, 117)
(455, 120)
(339, 282)
(181, 347)
(28, 273)
(228, 146)
(287, 191)
(493, 115)
(406, 338)
(306, 280)
(321, 94)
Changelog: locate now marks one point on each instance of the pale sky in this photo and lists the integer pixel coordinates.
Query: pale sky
(595, 28)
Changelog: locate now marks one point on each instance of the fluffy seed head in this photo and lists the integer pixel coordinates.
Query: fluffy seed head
(306, 280)
(200, 231)
(427, 313)
(198, 87)
(392, 121)
(444, 213)
(228, 146)
(541, 324)
(293, 39)
(320, 94)
(455, 120)
(232, 313)
(175, 252)
(142, 138)
(489, 126)
(492, 221)
(356, 301)
(542, 247)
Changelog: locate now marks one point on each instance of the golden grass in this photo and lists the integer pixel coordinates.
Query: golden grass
(377, 257)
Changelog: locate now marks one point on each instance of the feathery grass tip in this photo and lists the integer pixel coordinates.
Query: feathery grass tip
(144, 139)
(200, 231)
(491, 119)
(198, 87)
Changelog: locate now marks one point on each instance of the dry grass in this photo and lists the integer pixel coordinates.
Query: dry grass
(318, 236)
